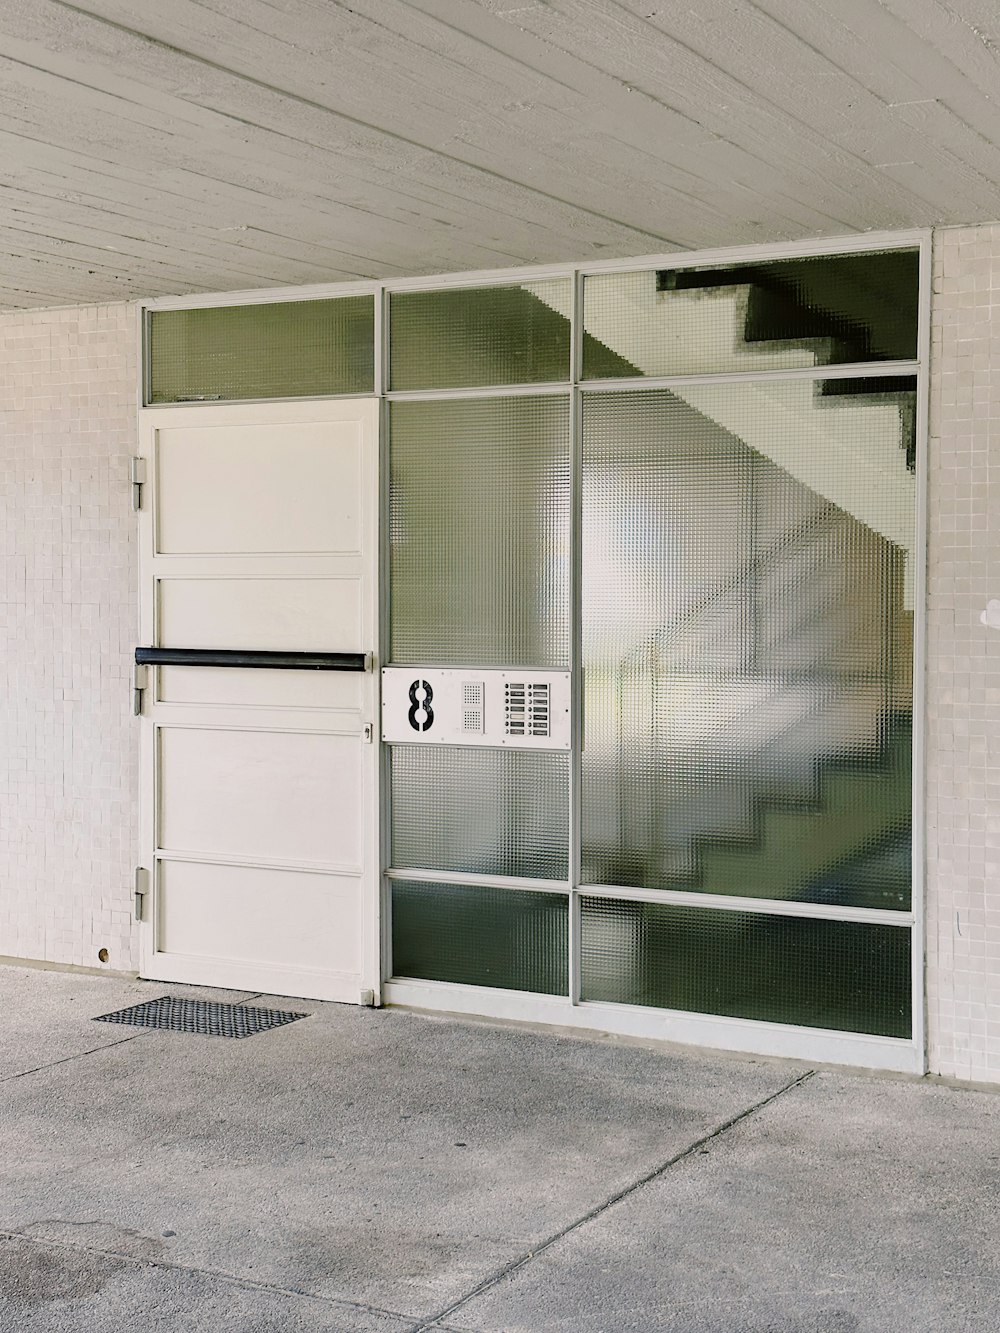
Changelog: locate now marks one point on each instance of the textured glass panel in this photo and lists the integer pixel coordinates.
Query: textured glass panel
(480, 936)
(290, 349)
(479, 811)
(485, 335)
(747, 633)
(479, 532)
(845, 975)
(825, 310)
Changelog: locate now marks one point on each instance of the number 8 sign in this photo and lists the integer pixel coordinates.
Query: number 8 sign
(421, 714)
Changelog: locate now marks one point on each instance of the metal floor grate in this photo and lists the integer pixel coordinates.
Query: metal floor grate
(205, 1018)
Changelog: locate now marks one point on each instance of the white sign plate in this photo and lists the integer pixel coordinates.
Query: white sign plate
(476, 706)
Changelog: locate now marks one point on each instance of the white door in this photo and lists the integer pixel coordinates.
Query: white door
(258, 528)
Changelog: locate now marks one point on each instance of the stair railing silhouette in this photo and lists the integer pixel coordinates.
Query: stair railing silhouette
(815, 686)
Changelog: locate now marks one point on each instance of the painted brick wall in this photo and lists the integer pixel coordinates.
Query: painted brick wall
(963, 661)
(68, 771)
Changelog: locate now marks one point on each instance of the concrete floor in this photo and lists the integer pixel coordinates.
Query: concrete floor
(392, 1172)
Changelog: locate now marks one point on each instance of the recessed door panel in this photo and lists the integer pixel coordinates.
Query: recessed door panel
(283, 614)
(258, 489)
(220, 911)
(261, 688)
(261, 795)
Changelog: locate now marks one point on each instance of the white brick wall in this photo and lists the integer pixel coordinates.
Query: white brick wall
(963, 662)
(68, 772)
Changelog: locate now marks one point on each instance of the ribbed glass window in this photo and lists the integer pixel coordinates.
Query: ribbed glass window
(479, 532)
(460, 336)
(291, 349)
(480, 811)
(480, 936)
(771, 315)
(747, 614)
(847, 975)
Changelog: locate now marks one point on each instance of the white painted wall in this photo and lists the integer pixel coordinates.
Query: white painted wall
(963, 659)
(68, 745)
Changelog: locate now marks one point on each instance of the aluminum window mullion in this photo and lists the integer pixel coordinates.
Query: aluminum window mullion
(550, 388)
(384, 795)
(851, 370)
(258, 402)
(475, 279)
(721, 902)
(519, 883)
(381, 349)
(145, 358)
(919, 733)
(576, 646)
(324, 291)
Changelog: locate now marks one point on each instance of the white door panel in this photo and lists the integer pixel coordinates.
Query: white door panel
(227, 911)
(263, 795)
(258, 532)
(261, 688)
(259, 489)
(290, 614)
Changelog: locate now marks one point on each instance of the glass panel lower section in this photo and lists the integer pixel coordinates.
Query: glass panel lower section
(481, 812)
(289, 349)
(479, 532)
(479, 936)
(747, 615)
(845, 975)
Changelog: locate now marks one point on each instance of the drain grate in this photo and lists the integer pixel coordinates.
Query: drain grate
(205, 1018)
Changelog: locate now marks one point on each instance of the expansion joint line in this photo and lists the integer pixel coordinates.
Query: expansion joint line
(95, 1050)
(515, 1265)
(68, 1059)
(214, 1274)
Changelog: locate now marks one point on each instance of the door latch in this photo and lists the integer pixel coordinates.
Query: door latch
(141, 889)
(138, 475)
(367, 732)
(140, 679)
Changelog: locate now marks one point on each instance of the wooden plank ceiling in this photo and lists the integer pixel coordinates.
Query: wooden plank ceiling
(171, 146)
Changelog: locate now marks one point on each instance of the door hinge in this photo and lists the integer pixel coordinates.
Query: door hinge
(140, 680)
(141, 889)
(138, 475)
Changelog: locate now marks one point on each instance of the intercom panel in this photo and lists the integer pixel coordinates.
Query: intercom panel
(474, 706)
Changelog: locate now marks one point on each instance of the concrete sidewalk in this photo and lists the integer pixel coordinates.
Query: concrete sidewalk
(386, 1171)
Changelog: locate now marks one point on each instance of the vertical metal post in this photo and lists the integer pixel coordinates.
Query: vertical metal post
(576, 642)
(383, 372)
(918, 940)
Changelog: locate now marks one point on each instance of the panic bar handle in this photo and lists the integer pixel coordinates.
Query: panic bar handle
(238, 657)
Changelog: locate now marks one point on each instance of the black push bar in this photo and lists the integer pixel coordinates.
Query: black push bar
(237, 657)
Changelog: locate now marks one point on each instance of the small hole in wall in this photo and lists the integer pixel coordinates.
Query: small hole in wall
(102, 955)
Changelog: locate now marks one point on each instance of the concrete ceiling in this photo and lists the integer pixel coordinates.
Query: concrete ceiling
(172, 146)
